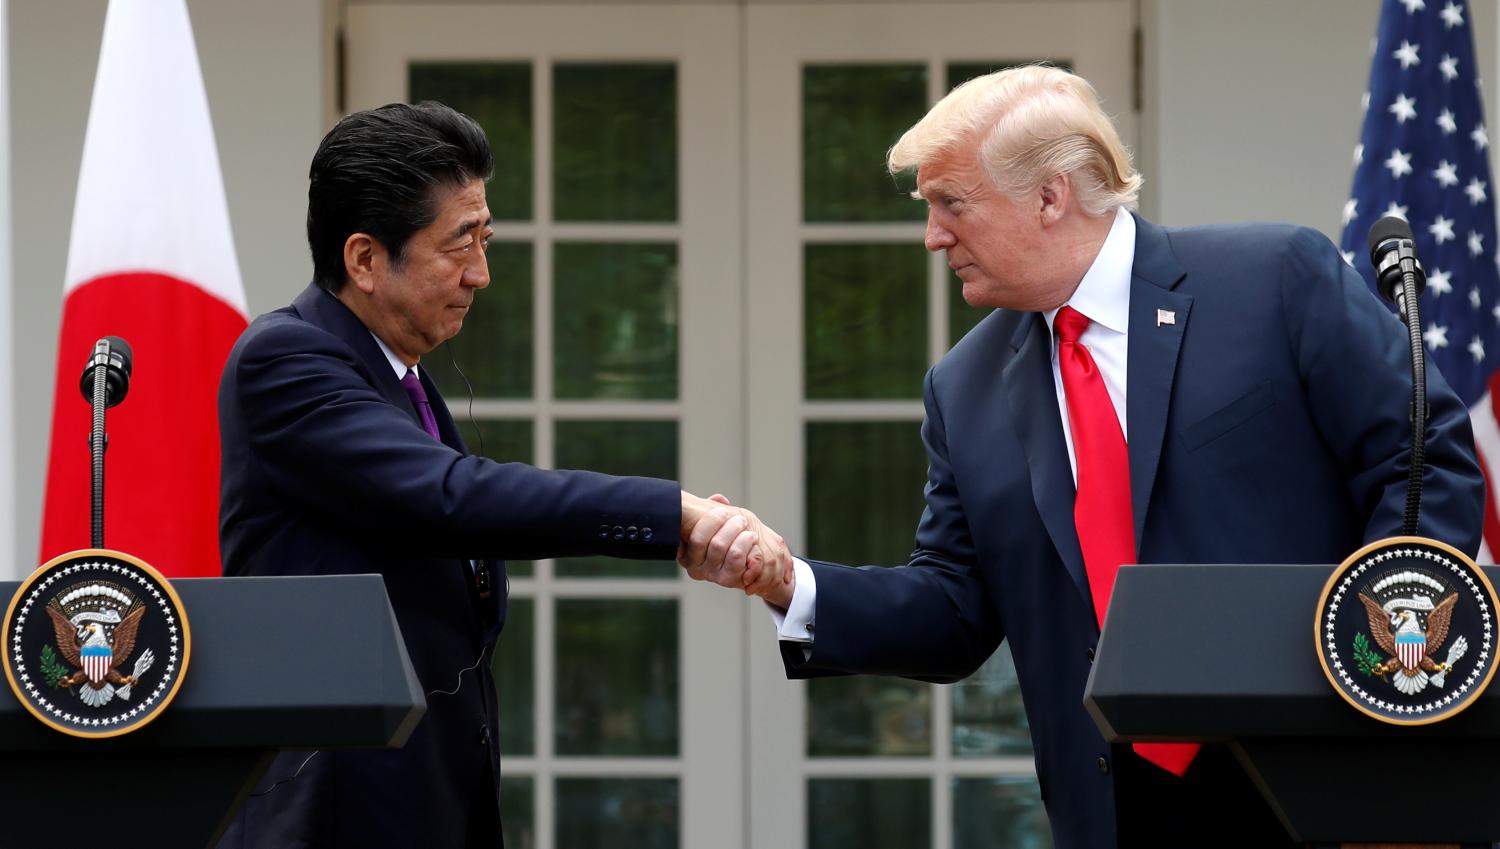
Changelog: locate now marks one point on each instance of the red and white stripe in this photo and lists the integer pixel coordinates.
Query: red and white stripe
(1485, 418)
(152, 261)
(1411, 654)
(96, 667)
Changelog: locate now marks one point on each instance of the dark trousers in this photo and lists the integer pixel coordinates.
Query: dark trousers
(1214, 804)
(483, 831)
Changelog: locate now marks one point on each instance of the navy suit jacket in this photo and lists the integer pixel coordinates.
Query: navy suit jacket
(326, 470)
(1268, 424)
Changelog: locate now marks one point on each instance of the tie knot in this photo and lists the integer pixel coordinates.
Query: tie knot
(1070, 324)
(413, 386)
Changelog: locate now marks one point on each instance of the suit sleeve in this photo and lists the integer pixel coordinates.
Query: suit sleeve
(331, 441)
(932, 618)
(1354, 358)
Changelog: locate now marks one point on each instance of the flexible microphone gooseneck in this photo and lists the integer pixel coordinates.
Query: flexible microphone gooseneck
(1400, 279)
(105, 380)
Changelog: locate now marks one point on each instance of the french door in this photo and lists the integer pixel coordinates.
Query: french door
(701, 271)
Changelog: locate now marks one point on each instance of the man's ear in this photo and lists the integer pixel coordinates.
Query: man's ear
(1055, 193)
(364, 260)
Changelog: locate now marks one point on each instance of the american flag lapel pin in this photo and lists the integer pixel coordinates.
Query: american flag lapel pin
(1165, 317)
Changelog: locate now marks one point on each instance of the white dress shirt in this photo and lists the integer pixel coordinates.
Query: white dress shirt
(396, 365)
(1103, 296)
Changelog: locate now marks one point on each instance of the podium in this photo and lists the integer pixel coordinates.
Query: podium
(1226, 654)
(277, 663)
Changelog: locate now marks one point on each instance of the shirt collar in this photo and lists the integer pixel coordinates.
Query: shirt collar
(1104, 292)
(390, 356)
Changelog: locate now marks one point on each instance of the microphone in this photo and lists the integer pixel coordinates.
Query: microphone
(113, 355)
(1393, 253)
(1399, 277)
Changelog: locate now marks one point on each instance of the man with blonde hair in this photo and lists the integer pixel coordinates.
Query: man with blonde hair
(1140, 394)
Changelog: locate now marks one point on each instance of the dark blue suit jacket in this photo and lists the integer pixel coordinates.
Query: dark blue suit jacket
(326, 470)
(1268, 424)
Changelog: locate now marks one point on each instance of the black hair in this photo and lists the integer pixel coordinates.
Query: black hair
(376, 172)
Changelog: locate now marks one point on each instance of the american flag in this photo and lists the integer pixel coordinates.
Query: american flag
(1424, 156)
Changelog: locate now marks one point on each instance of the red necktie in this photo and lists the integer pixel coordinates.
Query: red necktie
(1101, 511)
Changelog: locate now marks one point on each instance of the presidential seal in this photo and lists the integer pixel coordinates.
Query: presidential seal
(96, 643)
(1405, 630)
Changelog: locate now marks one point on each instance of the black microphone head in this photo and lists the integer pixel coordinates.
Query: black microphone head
(1393, 253)
(122, 348)
(1386, 229)
(114, 356)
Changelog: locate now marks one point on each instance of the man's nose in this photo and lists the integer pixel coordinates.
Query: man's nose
(937, 237)
(477, 274)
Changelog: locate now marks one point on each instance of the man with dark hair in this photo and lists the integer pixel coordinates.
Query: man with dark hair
(339, 456)
(374, 174)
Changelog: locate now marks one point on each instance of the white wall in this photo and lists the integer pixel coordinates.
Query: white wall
(8, 566)
(263, 68)
(1253, 109)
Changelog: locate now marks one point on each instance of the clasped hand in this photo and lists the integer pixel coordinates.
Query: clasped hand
(731, 547)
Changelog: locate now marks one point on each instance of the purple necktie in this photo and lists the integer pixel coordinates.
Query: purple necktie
(413, 386)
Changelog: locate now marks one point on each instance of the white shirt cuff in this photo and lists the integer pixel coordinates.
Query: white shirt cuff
(795, 624)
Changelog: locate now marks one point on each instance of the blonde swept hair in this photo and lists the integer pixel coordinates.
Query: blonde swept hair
(1037, 122)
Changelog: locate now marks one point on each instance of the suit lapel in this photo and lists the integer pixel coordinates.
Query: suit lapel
(318, 307)
(1158, 319)
(1032, 395)
(321, 309)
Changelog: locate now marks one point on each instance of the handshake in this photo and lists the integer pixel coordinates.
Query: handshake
(730, 546)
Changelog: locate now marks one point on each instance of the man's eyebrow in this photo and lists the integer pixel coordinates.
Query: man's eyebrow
(471, 225)
(933, 189)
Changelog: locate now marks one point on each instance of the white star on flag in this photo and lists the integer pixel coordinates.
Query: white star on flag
(1452, 16)
(1436, 336)
(1480, 137)
(1399, 163)
(1348, 257)
(1404, 108)
(1449, 67)
(1413, 5)
(1475, 191)
(1476, 347)
(1406, 54)
(1446, 174)
(1445, 120)
(1476, 243)
(1349, 210)
(1359, 154)
(1395, 210)
(1474, 298)
(1441, 229)
(1438, 283)
(1496, 313)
